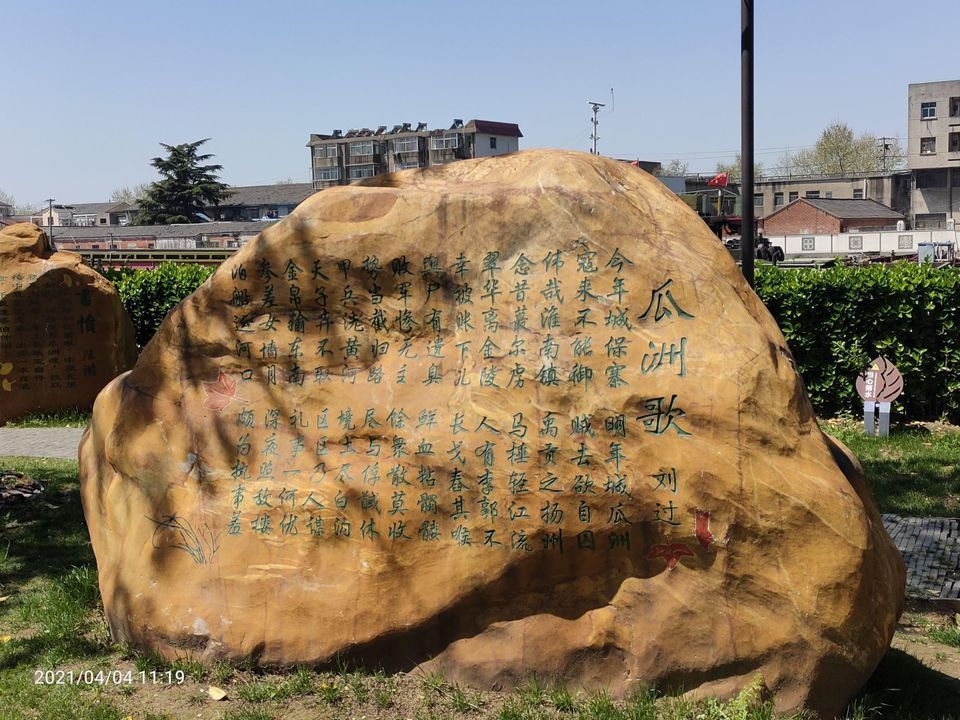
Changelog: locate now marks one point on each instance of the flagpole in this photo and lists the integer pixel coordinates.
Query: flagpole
(746, 141)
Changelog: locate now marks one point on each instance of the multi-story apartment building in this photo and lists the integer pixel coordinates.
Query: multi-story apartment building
(341, 158)
(933, 154)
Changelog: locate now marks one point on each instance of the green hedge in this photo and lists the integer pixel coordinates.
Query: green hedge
(837, 320)
(148, 295)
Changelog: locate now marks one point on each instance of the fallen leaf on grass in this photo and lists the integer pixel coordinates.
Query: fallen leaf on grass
(216, 693)
(5, 597)
(5, 638)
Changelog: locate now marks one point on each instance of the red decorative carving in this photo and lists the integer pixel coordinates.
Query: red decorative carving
(702, 527)
(671, 553)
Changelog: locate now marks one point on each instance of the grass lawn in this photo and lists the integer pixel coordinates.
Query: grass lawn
(915, 471)
(50, 619)
(60, 418)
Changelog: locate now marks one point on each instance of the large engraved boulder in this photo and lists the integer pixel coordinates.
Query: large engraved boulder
(512, 416)
(63, 331)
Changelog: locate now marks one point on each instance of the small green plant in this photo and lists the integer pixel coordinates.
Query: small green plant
(533, 692)
(330, 692)
(302, 682)
(516, 709)
(641, 705)
(434, 683)
(562, 699)
(358, 687)
(191, 667)
(221, 673)
(382, 698)
(257, 691)
(599, 706)
(947, 635)
(256, 714)
(863, 708)
(462, 702)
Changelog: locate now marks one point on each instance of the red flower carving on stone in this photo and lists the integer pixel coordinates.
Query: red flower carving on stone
(220, 392)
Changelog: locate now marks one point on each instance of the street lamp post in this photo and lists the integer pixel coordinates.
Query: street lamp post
(746, 140)
(49, 202)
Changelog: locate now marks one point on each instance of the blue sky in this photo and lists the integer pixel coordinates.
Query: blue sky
(93, 87)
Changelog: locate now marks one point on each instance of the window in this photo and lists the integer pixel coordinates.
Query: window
(955, 107)
(928, 111)
(929, 220)
(812, 194)
(793, 196)
(954, 144)
(361, 148)
(905, 242)
(855, 242)
(325, 174)
(928, 145)
(361, 171)
(445, 142)
(931, 179)
(758, 199)
(808, 243)
(777, 199)
(493, 143)
(329, 151)
(410, 144)
(858, 194)
(829, 193)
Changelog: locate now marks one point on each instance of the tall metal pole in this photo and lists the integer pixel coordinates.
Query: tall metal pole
(746, 140)
(49, 202)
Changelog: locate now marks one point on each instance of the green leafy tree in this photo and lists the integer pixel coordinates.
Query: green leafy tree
(733, 169)
(674, 168)
(186, 187)
(839, 151)
(129, 194)
(18, 208)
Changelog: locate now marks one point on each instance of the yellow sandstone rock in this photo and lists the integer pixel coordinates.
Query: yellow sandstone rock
(63, 331)
(511, 416)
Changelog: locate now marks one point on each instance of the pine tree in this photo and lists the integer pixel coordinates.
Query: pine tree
(186, 187)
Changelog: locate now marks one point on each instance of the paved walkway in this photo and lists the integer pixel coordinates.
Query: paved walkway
(930, 546)
(40, 442)
(931, 550)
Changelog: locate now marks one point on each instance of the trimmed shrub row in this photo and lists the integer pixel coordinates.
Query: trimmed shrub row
(837, 320)
(148, 295)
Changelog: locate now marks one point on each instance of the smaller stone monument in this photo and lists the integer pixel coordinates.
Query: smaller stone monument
(63, 331)
(879, 385)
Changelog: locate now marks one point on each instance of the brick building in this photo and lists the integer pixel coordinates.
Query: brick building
(810, 216)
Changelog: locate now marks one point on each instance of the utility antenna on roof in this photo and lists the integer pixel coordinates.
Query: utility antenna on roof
(594, 136)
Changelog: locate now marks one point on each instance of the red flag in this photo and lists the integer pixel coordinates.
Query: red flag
(720, 180)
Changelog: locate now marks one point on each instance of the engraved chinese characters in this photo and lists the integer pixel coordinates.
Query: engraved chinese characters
(516, 415)
(424, 327)
(63, 331)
